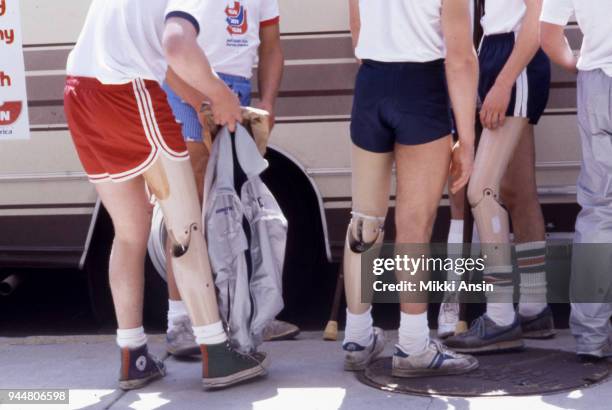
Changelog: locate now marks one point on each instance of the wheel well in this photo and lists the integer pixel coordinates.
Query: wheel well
(308, 277)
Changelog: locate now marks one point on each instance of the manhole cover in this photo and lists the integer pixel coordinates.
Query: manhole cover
(530, 371)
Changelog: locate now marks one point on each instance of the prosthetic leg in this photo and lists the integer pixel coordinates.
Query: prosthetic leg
(499, 329)
(494, 153)
(363, 233)
(173, 185)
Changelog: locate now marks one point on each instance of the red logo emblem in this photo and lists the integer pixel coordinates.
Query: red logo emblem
(10, 112)
(236, 19)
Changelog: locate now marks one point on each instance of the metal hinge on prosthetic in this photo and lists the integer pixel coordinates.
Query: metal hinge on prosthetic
(180, 248)
(358, 242)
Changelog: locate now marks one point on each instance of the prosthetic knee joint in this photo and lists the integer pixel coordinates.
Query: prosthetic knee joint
(364, 232)
(491, 217)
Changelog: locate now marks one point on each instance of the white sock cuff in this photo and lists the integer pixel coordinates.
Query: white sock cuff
(367, 313)
(210, 334)
(492, 270)
(530, 246)
(131, 338)
(413, 332)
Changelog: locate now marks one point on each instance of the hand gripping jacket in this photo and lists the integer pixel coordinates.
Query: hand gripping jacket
(228, 246)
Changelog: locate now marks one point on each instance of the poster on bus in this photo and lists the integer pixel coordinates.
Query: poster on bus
(14, 122)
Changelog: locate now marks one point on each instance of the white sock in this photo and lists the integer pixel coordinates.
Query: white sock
(413, 332)
(531, 262)
(455, 232)
(210, 334)
(176, 310)
(358, 328)
(528, 309)
(501, 313)
(131, 338)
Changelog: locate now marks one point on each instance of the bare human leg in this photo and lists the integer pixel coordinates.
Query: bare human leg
(519, 193)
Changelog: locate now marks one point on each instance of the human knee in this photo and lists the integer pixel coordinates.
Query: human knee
(413, 226)
(134, 230)
(514, 196)
(364, 231)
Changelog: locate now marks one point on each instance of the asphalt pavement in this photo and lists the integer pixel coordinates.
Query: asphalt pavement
(304, 374)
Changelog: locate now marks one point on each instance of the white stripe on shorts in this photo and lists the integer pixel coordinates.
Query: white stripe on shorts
(520, 101)
(154, 127)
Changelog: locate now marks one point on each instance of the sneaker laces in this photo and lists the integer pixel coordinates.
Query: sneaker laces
(440, 347)
(477, 327)
(236, 353)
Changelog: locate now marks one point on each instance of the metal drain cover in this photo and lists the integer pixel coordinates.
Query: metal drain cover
(527, 372)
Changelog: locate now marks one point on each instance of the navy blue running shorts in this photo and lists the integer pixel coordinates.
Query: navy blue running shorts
(530, 91)
(404, 103)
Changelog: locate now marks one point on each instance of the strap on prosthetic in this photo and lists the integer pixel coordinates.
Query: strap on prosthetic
(364, 231)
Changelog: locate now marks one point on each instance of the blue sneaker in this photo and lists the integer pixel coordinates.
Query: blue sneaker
(484, 335)
(139, 367)
(540, 326)
(358, 357)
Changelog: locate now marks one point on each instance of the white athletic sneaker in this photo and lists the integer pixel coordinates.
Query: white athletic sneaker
(357, 357)
(180, 340)
(447, 319)
(435, 360)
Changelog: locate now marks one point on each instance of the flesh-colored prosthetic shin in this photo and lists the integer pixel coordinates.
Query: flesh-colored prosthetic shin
(495, 151)
(363, 233)
(173, 185)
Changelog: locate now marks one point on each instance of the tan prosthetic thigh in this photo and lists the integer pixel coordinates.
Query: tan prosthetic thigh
(173, 185)
(495, 150)
(371, 184)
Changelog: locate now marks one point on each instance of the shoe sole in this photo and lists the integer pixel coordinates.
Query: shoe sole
(244, 375)
(432, 372)
(284, 336)
(357, 367)
(185, 351)
(138, 383)
(494, 347)
(540, 334)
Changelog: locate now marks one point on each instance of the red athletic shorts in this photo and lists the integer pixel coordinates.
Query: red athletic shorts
(120, 130)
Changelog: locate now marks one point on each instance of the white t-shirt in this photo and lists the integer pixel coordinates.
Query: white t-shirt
(230, 36)
(122, 39)
(400, 30)
(594, 18)
(503, 16)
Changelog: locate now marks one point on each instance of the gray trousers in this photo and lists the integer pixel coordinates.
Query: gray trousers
(590, 322)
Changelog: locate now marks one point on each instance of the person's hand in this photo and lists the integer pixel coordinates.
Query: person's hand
(225, 107)
(262, 105)
(462, 164)
(495, 105)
